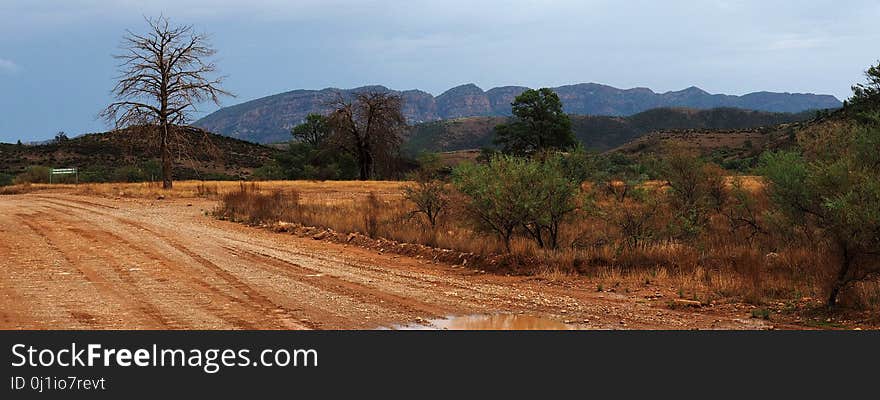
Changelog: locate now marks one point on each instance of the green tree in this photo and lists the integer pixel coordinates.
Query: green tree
(313, 131)
(494, 197)
(304, 161)
(581, 165)
(5, 180)
(511, 195)
(270, 171)
(539, 123)
(555, 191)
(310, 155)
(832, 191)
(867, 94)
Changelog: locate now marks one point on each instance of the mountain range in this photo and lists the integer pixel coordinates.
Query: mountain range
(269, 119)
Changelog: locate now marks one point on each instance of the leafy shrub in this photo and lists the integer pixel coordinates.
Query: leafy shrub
(696, 190)
(305, 161)
(5, 179)
(269, 172)
(556, 193)
(498, 202)
(33, 174)
(511, 195)
(637, 216)
(128, 173)
(831, 192)
(430, 197)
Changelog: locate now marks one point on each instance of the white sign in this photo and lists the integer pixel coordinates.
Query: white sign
(63, 171)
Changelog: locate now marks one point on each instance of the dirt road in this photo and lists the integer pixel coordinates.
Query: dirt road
(78, 262)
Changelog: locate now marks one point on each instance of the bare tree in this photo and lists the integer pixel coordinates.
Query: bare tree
(369, 128)
(163, 75)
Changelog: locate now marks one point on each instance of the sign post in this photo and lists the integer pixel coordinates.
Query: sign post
(64, 171)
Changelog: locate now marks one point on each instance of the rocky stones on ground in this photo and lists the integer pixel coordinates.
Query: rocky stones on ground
(687, 303)
(321, 235)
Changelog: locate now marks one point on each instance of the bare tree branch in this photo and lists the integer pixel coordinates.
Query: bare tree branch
(163, 76)
(369, 127)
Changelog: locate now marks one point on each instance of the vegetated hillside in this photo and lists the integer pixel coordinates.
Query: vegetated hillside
(595, 132)
(269, 119)
(735, 149)
(451, 135)
(118, 154)
(739, 149)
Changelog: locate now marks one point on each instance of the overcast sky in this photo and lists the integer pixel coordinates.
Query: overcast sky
(56, 68)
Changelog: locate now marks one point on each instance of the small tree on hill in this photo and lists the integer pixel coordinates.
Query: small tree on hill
(539, 124)
(867, 94)
(61, 137)
(163, 75)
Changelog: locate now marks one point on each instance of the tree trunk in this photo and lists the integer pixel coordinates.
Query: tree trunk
(505, 236)
(364, 172)
(554, 236)
(841, 280)
(166, 159)
(366, 164)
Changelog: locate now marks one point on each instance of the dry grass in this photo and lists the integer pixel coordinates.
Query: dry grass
(15, 189)
(723, 265)
(324, 192)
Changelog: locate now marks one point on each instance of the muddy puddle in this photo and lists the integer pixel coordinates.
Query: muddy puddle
(502, 322)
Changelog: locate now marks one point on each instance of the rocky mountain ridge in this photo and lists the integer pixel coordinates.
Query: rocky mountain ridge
(269, 119)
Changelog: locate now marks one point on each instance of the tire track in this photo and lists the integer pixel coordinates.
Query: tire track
(357, 292)
(259, 305)
(343, 287)
(92, 276)
(416, 282)
(101, 237)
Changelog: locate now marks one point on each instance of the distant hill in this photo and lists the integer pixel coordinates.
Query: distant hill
(595, 132)
(734, 149)
(269, 119)
(100, 156)
(737, 149)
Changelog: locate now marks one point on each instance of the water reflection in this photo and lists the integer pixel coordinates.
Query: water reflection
(490, 322)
